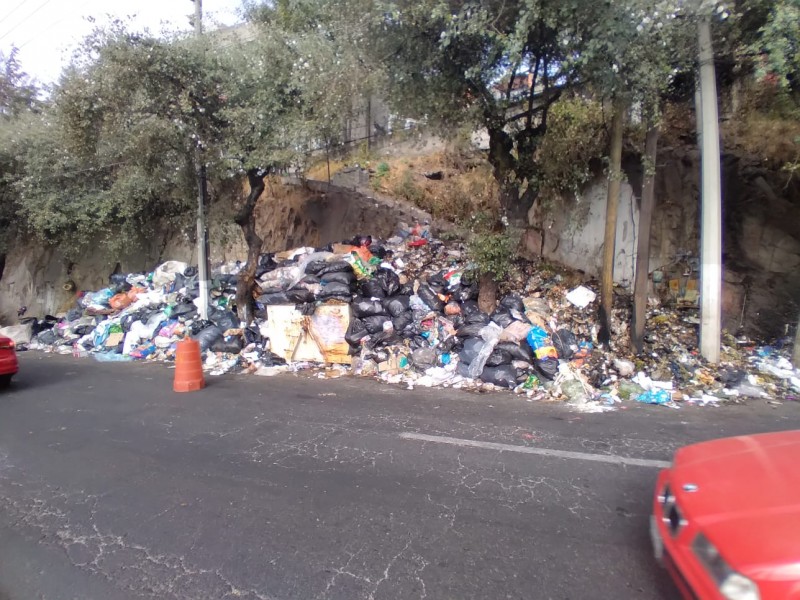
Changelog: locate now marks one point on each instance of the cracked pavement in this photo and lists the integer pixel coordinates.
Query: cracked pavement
(292, 487)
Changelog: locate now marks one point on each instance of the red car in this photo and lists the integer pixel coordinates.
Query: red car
(8, 361)
(726, 518)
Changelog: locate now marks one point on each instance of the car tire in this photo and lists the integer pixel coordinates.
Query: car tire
(5, 381)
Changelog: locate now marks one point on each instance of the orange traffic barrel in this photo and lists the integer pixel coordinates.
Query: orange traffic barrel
(188, 367)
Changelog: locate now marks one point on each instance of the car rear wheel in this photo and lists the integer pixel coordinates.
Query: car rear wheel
(5, 381)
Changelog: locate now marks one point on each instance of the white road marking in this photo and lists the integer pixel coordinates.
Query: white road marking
(604, 458)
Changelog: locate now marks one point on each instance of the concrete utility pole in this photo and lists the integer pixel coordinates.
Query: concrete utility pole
(711, 223)
(202, 192)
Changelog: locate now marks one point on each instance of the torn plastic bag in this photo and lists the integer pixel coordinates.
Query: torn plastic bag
(231, 344)
(356, 332)
(513, 302)
(498, 357)
(371, 288)
(537, 338)
(224, 319)
(502, 317)
(346, 277)
(548, 367)
(490, 334)
(368, 308)
(503, 376)
(396, 305)
(375, 323)
(334, 267)
(403, 321)
(74, 314)
(208, 336)
(430, 298)
(335, 290)
(388, 280)
(253, 336)
(423, 357)
(518, 351)
(565, 343)
(470, 330)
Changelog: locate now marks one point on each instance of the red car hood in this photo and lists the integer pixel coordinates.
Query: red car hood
(747, 500)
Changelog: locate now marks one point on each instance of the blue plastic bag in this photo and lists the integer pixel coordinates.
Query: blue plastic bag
(537, 338)
(654, 397)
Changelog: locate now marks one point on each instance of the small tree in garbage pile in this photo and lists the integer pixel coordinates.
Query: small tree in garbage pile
(492, 252)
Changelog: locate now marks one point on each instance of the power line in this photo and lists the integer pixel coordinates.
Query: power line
(40, 32)
(13, 10)
(35, 10)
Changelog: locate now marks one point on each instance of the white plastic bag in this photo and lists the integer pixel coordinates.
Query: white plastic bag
(491, 335)
(165, 274)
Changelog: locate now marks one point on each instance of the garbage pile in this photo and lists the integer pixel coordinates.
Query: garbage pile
(405, 310)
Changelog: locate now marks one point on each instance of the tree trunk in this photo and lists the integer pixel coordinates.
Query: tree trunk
(796, 352)
(643, 244)
(609, 240)
(487, 293)
(246, 219)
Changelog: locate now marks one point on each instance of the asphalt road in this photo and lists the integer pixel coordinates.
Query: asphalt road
(113, 487)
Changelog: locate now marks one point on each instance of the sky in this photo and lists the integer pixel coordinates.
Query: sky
(47, 31)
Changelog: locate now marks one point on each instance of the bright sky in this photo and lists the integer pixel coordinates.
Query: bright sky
(46, 31)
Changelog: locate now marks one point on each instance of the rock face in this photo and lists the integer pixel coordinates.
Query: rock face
(761, 229)
(287, 216)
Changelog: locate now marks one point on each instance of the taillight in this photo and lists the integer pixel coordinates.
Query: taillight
(6, 344)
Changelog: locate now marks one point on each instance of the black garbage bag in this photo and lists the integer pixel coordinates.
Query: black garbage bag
(372, 288)
(503, 317)
(470, 330)
(223, 319)
(378, 251)
(309, 280)
(565, 343)
(470, 350)
(184, 310)
(74, 314)
(253, 336)
(335, 290)
(457, 321)
(315, 266)
(520, 351)
(190, 271)
(198, 326)
(367, 308)
(513, 302)
(388, 280)
(227, 281)
(403, 321)
(502, 376)
(466, 292)
(83, 329)
(208, 336)
(356, 332)
(335, 266)
(375, 323)
(382, 340)
(231, 344)
(429, 297)
(273, 298)
(406, 289)
(473, 314)
(498, 357)
(396, 305)
(299, 295)
(267, 262)
(346, 277)
(116, 279)
(438, 282)
(121, 288)
(547, 367)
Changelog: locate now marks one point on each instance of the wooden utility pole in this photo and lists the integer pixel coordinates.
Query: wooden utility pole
(612, 206)
(202, 194)
(711, 220)
(643, 243)
(796, 352)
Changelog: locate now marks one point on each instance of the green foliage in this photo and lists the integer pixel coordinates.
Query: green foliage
(17, 92)
(778, 46)
(575, 136)
(492, 252)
